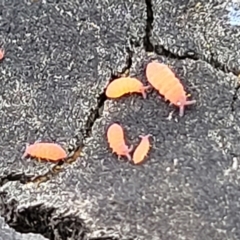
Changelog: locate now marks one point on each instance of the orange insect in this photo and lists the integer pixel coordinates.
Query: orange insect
(164, 80)
(115, 136)
(46, 151)
(125, 85)
(142, 149)
(2, 54)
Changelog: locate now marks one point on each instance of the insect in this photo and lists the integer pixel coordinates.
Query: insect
(142, 149)
(2, 53)
(46, 151)
(125, 85)
(115, 136)
(164, 80)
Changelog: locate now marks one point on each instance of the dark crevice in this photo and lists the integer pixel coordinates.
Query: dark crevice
(147, 43)
(40, 219)
(160, 50)
(97, 112)
(235, 98)
(104, 238)
(128, 65)
(94, 115)
(129, 61)
(11, 177)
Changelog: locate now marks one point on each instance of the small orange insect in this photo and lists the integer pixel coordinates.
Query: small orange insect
(125, 85)
(164, 80)
(142, 149)
(115, 136)
(46, 151)
(2, 54)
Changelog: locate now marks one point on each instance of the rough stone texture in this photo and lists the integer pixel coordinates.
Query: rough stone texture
(187, 188)
(198, 29)
(7, 233)
(59, 58)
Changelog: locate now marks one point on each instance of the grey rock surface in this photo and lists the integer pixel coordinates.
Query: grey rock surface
(184, 187)
(59, 59)
(7, 233)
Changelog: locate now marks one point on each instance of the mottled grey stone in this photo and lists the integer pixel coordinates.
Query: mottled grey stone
(199, 29)
(59, 58)
(186, 189)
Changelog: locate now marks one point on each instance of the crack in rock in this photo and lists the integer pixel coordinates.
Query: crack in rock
(147, 43)
(235, 98)
(12, 177)
(97, 112)
(42, 220)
